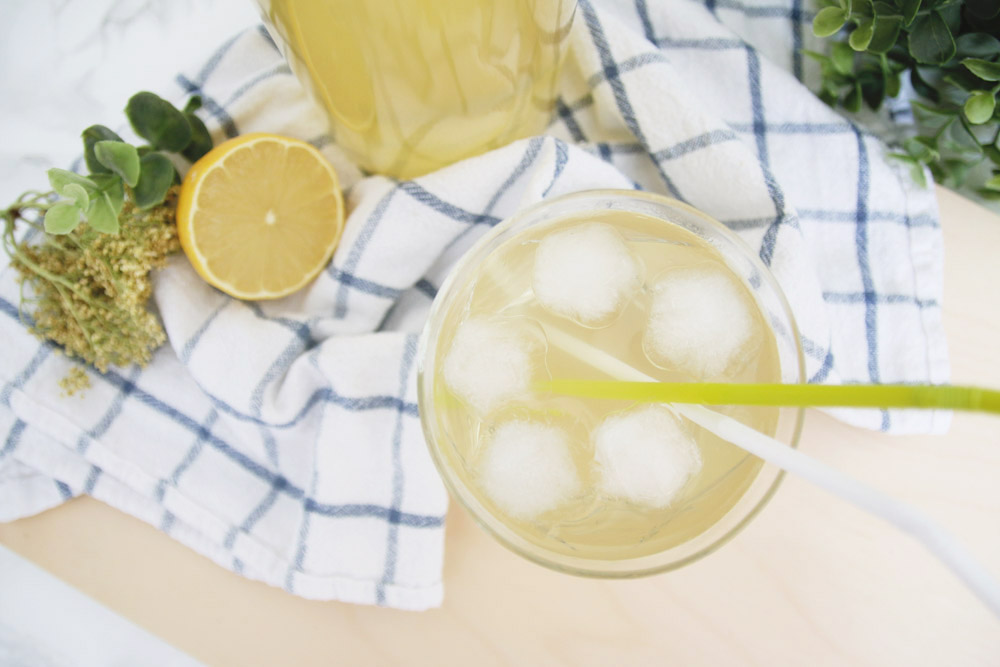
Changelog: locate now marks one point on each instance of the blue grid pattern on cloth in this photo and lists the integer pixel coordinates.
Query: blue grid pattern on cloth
(282, 439)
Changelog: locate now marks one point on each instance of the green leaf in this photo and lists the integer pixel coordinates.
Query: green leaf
(985, 133)
(193, 104)
(954, 172)
(120, 158)
(111, 185)
(916, 168)
(818, 57)
(77, 194)
(910, 9)
(826, 67)
(979, 107)
(837, 79)
(829, 21)
(842, 58)
(959, 139)
(831, 86)
(62, 218)
(101, 215)
(984, 69)
(923, 88)
(862, 8)
(886, 34)
(964, 80)
(993, 153)
(201, 140)
(921, 148)
(977, 45)
(873, 94)
(852, 101)
(993, 183)
(957, 85)
(932, 74)
(91, 136)
(963, 167)
(984, 9)
(872, 88)
(951, 13)
(158, 122)
(988, 195)
(60, 178)
(155, 179)
(930, 40)
(861, 36)
(929, 118)
(892, 84)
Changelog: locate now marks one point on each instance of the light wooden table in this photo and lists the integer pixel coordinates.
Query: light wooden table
(811, 581)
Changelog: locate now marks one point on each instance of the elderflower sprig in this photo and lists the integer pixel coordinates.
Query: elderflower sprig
(85, 277)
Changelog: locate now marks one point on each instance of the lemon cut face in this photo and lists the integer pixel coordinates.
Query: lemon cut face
(259, 216)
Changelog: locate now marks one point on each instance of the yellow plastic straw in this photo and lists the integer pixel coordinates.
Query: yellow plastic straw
(935, 539)
(795, 395)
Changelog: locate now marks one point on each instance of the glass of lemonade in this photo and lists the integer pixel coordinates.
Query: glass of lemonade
(593, 486)
(411, 86)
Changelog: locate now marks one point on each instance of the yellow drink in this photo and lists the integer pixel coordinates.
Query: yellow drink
(413, 85)
(591, 523)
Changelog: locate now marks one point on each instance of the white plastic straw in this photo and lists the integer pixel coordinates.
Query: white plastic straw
(938, 541)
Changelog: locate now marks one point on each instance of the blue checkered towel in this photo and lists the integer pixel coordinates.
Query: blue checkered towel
(281, 439)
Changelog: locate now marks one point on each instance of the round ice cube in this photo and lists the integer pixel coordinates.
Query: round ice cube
(492, 361)
(645, 456)
(700, 322)
(527, 469)
(585, 273)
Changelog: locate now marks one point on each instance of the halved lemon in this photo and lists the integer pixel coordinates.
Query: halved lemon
(260, 215)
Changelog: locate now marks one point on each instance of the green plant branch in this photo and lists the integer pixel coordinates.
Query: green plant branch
(87, 285)
(951, 52)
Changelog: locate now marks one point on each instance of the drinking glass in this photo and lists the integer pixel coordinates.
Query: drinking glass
(435, 402)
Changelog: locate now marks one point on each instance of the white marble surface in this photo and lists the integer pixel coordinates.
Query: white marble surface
(45, 623)
(64, 65)
(67, 64)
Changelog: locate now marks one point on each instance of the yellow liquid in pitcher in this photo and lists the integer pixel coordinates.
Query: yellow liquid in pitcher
(593, 525)
(413, 85)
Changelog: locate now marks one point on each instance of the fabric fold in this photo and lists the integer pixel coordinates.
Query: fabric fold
(282, 439)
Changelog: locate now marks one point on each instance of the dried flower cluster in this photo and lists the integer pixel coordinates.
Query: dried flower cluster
(75, 382)
(88, 291)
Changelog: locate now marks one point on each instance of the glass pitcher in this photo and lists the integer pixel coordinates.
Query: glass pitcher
(413, 85)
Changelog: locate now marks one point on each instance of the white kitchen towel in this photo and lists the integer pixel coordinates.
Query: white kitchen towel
(282, 438)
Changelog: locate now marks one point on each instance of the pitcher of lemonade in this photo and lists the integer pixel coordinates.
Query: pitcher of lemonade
(413, 85)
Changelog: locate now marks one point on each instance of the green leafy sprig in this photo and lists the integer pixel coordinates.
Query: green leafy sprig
(950, 51)
(99, 235)
(146, 170)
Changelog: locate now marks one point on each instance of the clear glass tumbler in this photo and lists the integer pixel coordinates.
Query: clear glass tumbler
(731, 510)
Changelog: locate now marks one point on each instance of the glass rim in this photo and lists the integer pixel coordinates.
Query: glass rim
(586, 567)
